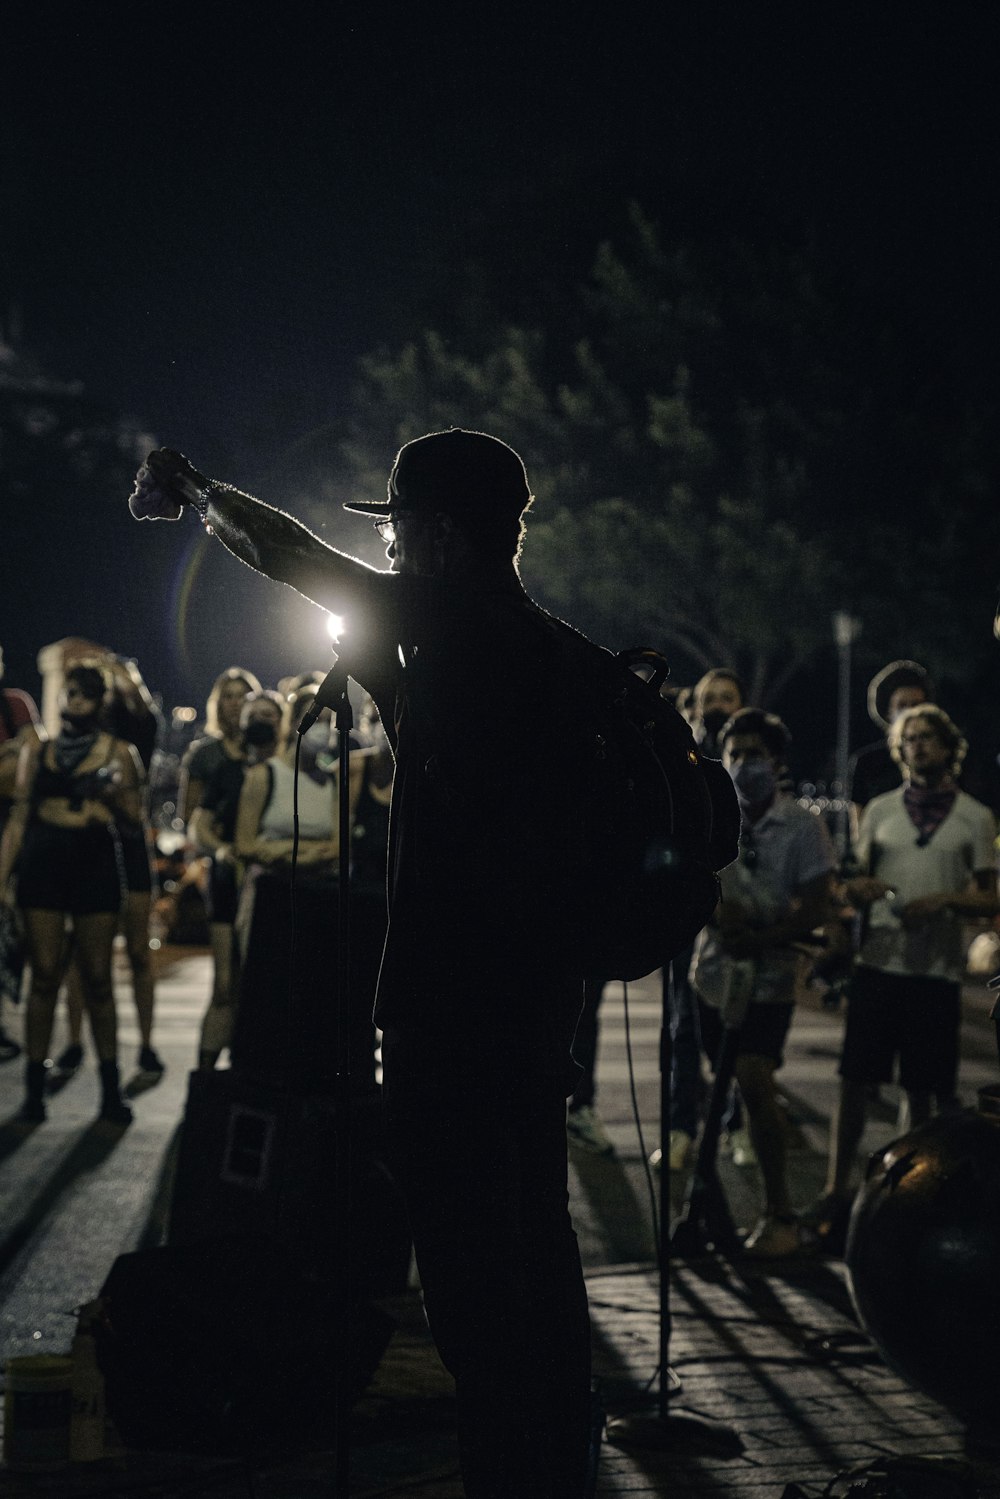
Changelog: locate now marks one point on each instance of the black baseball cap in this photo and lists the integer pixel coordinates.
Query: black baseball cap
(469, 475)
(885, 683)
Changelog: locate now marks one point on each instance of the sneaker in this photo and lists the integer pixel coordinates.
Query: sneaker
(741, 1151)
(9, 1048)
(772, 1237)
(585, 1129)
(826, 1223)
(150, 1063)
(681, 1149)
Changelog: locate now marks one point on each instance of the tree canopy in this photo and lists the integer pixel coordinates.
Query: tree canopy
(727, 445)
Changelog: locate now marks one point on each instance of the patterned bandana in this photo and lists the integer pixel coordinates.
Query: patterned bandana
(928, 807)
(71, 749)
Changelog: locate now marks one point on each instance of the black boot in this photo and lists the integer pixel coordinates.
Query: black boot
(33, 1108)
(113, 1106)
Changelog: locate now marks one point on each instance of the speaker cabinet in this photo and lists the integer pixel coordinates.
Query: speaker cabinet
(260, 1161)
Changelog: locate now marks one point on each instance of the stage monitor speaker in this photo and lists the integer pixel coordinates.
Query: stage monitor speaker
(227, 1347)
(260, 1161)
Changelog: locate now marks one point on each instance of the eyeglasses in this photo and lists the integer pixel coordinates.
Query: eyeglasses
(385, 525)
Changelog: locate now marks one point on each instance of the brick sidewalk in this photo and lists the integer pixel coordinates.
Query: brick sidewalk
(778, 1357)
(773, 1352)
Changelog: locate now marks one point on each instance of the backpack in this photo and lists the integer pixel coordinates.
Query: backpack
(657, 819)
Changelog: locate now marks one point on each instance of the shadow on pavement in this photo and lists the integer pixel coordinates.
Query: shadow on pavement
(13, 1132)
(154, 1231)
(91, 1150)
(614, 1204)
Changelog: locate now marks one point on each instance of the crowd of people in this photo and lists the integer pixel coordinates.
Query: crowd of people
(478, 996)
(887, 915)
(78, 850)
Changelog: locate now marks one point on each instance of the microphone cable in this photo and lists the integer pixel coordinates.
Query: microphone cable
(292, 913)
(637, 1117)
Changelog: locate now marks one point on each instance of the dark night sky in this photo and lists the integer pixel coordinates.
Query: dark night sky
(208, 223)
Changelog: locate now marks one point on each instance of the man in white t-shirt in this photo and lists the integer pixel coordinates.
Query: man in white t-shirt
(927, 852)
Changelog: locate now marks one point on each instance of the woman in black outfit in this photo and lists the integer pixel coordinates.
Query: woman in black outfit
(129, 714)
(60, 836)
(217, 761)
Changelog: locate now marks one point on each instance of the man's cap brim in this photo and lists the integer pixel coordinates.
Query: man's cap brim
(364, 507)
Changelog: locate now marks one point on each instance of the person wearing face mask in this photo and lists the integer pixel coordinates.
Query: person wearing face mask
(220, 754)
(69, 795)
(222, 737)
(131, 715)
(714, 699)
(747, 960)
(264, 824)
(212, 829)
(263, 842)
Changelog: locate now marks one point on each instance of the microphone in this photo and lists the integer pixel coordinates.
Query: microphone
(332, 688)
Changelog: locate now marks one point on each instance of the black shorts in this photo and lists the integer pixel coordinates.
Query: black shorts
(916, 1019)
(68, 869)
(762, 1035)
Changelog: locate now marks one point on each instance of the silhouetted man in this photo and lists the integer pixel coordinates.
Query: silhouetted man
(474, 1002)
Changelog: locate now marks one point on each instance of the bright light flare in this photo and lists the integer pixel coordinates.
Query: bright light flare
(335, 626)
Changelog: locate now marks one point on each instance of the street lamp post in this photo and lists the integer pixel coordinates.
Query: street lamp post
(846, 630)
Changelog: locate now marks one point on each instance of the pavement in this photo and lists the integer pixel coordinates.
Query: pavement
(780, 1391)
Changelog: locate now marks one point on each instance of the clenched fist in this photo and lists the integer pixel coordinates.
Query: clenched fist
(165, 483)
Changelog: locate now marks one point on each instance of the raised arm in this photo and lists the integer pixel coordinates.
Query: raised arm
(266, 539)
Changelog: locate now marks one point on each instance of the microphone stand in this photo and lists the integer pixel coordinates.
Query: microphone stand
(333, 694)
(667, 1429)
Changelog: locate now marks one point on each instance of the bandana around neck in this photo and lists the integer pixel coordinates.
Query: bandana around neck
(928, 807)
(72, 749)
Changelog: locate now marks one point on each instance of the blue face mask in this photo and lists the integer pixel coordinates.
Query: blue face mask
(755, 780)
